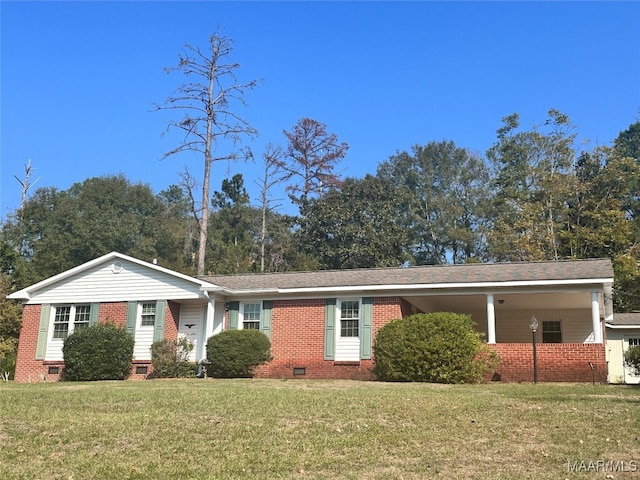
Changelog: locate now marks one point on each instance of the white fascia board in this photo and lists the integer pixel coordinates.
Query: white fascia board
(257, 291)
(622, 327)
(446, 286)
(25, 293)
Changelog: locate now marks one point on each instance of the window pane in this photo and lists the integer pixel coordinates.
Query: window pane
(148, 316)
(61, 322)
(350, 309)
(83, 313)
(551, 332)
(251, 312)
(348, 328)
(251, 316)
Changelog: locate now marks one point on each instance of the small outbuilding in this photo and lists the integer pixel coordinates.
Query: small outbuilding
(623, 332)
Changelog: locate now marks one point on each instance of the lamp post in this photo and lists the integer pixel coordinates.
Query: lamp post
(533, 325)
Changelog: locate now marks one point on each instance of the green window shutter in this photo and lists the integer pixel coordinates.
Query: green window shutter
(43, 331)
(234, 307)
(158, 328)
(93, 315)
(366, 319)
(330, 329)
(132, 313)
(265, 324)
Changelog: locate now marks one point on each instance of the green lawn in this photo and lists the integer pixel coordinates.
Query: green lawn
(165, 429)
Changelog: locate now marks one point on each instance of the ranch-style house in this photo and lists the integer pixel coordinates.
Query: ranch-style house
(322, 324)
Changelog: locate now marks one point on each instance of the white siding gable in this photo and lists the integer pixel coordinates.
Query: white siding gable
(106, 282)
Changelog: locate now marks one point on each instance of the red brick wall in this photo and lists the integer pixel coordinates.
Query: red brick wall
(113, 312)
(28, 369)
(171, 319)
(557, 362)
(297, 339)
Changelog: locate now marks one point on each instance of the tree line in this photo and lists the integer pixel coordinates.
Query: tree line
(534, 197)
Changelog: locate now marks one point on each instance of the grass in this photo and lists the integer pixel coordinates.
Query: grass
(200, 429)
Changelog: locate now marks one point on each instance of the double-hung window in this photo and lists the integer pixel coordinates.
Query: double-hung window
(349, 318)
(251, 316)
(69, 318)
(551, 332)
(148, 314)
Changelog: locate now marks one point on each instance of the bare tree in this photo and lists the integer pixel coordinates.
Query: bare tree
(273, 174)
(26, 183)
(313, 155)
(210, 125)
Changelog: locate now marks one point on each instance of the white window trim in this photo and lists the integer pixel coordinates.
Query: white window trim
(139, 316)
(347, 349)
(71, 323)
(241, 313)
(339, 316)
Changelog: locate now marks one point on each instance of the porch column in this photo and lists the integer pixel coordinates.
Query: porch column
(491, 319)
(209, 310)
(595, 318)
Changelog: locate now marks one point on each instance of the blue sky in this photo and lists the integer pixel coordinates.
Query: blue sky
(78, 79)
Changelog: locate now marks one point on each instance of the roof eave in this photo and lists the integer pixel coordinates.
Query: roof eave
(25, 293)
(441, 286)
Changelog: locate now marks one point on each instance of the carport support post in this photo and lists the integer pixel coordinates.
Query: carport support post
(491, 319)
(595, 318)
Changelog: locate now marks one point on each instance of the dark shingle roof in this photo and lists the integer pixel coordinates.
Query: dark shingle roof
(626, 319)
(425, 275)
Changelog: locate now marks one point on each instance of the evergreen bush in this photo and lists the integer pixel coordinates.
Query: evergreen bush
(170, 358)
(435, 347)
(98, 352)
(632, 359)
(235, 353)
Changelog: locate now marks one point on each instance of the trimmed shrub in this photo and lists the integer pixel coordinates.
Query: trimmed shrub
(632, 359)
(235, 353)
(435, 347)
(170, 358)
(98, 352)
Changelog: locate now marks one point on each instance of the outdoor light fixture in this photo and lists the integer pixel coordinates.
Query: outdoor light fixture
(533, 325)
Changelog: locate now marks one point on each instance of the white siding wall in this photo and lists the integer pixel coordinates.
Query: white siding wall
(347, 349)
(615, 355)
(54, 347)
(513, 326)
(133, 282)
(144, 339)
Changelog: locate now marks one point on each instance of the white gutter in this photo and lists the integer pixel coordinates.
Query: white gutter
(440, 286)
(621, 327)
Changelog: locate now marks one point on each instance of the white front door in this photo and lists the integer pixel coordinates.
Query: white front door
(190, 327)
(629, 376)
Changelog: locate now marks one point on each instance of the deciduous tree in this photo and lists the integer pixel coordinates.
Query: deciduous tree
(446, 192)
(311, 157)
(533, 180)
(357, 226)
